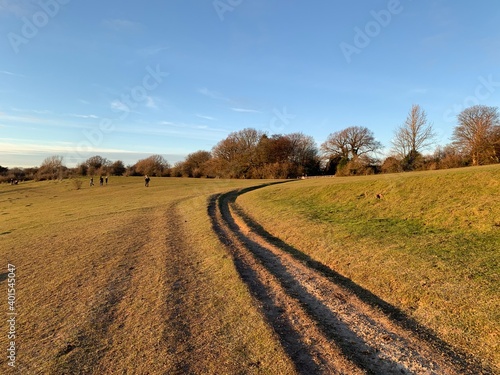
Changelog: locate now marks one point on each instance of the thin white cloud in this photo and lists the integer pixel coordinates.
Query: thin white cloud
(190, 126)
(245, 110)
(30, 146)
(166, 123)
(29, 152)
(27, 117)
(83, 116)
(218, 96)
(20, 146)
(35, 121)
(5, 72)
(212, 94)
(206, 117)
(37, 111)
(118, 105)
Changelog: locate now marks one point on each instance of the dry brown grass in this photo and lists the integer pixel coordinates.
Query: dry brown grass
(123, 279)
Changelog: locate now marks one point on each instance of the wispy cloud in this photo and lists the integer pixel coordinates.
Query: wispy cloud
(117, 105)
(245, 110)
(213, 94)
(83, 116)
(11, 74)
(191, 126)
(218, 96)
(122, 25)
(17, 145)
(173, 130)
(28, 152)
(206, 117)
(28, 120)
(44, 116)
(32, 146)
(167, 123)
(37, 111)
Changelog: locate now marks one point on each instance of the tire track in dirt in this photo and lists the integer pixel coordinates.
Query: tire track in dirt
(298, 334)
(324, 326)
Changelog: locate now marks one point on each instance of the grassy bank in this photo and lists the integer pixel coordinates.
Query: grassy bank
(123, 277)
(428, 244)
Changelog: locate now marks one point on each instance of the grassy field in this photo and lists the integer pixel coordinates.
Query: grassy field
(123, 278)
(428, 244)
(127, 279)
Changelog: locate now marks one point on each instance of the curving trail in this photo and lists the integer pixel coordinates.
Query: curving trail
(326, 324)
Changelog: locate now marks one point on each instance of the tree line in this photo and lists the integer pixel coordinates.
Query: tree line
(251, 153)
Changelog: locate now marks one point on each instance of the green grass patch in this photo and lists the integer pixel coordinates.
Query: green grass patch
(427, 242)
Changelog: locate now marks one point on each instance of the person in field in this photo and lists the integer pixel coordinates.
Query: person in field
(91, 181)
(146, 180)
(101, 180)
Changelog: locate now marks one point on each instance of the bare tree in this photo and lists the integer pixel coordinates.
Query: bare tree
(350, 143)
(304, 151)
(475, 133)
(52, 168)
(413, 136)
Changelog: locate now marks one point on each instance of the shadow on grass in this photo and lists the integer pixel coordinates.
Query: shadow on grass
(352, 346)
(289, 338)
(469, 364)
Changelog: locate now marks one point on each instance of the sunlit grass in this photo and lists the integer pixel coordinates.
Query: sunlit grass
(430, 244)
(94, 277)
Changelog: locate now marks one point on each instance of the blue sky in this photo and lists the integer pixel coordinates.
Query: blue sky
(127, 79)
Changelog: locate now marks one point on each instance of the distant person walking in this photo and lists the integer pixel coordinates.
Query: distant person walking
(91, 181)
(101, 180)
(146, 180)
(106, 180)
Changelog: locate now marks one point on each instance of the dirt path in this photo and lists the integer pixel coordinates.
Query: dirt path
(327, 325)
(141, 321)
